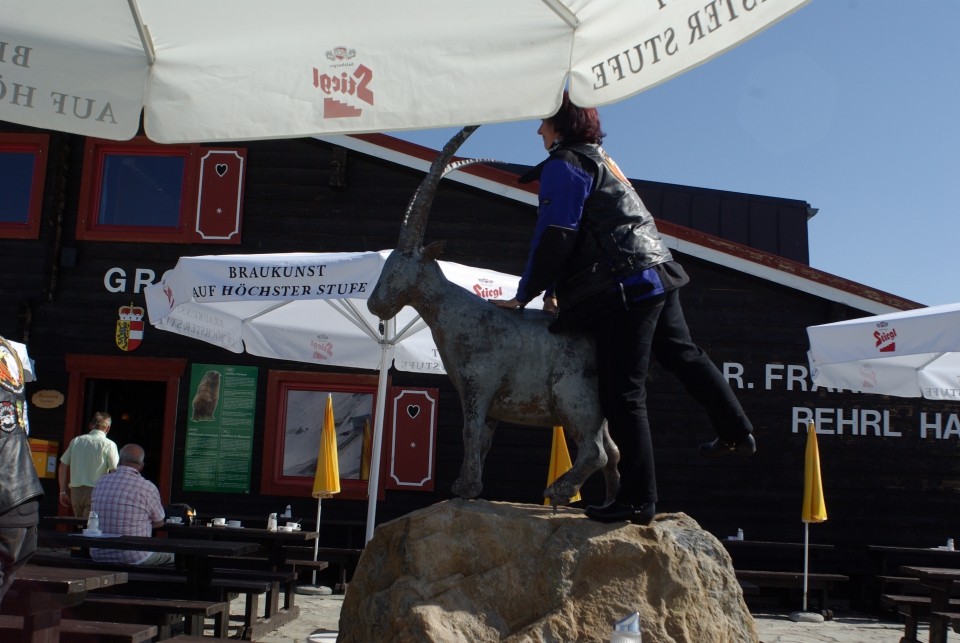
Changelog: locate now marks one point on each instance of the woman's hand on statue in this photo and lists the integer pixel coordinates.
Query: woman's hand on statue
(507, 303)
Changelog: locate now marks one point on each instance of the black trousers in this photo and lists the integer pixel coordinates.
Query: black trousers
(674, 350)
(625, 341)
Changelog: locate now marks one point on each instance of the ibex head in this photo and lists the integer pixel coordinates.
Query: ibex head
(399, 279)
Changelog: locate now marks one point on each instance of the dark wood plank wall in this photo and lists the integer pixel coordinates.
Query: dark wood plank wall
(774, 225)
(891, 490)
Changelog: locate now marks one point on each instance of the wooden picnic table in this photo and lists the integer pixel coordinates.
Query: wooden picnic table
(191, 555)
(271, 542)
(912, 555)
(940, 581)
(42, 593)
(734, 544)
(778, 565)
(72, 523)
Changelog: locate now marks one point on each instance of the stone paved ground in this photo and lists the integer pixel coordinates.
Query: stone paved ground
(322, 614)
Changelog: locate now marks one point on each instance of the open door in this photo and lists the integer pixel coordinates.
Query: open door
(140, 394)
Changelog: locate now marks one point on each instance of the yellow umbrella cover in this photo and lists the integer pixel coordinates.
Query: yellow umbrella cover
(559, 461)
(367, 450)
(814, 508)
(326, 482)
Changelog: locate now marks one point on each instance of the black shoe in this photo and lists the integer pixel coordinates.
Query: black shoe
(719, 448)
(619, 512)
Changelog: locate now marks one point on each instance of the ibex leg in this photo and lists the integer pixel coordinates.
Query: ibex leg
(477, 437)
(611, 475)
(592, 454)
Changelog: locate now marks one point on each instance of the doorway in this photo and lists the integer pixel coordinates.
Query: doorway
(140, 393)
(137, 409)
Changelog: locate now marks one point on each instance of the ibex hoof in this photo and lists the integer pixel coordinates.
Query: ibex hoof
(556, 501)
(560, 494)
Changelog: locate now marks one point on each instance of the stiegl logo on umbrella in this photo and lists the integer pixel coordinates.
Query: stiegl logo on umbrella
(322, 348)
(487, 288)
(885, 336)
(348, 81)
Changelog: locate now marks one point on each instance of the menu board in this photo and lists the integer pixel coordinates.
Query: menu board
(220, 418)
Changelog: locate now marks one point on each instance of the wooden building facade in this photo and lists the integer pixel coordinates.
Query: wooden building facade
(891, 467)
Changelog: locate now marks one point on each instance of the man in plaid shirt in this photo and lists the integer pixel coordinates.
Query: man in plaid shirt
(128, 504)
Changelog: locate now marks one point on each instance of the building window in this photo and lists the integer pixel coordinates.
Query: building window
(23, 164)
(141, 191)
(296, 402)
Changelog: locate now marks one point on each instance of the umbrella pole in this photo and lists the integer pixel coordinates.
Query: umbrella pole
(316, 543)
(804, 616)
(373, 483)
(806, 561)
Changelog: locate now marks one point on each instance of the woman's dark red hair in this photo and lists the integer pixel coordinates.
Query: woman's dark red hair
(577, 124)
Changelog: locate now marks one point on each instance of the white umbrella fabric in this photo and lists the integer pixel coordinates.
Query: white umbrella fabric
(203, 71)
(913, 353)
(308, 307)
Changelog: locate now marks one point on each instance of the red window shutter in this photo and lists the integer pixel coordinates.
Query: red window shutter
(413, 438)
(220, 195)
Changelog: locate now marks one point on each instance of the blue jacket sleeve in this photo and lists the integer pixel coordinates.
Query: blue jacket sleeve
(563, 190)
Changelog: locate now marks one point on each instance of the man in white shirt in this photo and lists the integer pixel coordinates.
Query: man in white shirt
(87, 458)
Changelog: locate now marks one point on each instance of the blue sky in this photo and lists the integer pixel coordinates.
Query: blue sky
(850, 105)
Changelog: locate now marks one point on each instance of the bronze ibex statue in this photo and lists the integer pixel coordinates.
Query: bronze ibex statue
(530, 376)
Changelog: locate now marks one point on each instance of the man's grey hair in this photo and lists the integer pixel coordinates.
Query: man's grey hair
(132, 454)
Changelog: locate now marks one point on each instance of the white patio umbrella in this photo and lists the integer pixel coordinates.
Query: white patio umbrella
(207, 71)
(913, 353)
(308, 307)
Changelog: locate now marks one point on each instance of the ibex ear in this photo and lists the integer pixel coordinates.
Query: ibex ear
(434, 250)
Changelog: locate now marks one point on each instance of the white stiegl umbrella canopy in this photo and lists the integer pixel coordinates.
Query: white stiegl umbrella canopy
(304, 307)
(199, 70)
(913, 353)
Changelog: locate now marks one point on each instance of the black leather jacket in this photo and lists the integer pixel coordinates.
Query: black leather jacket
(18, 478)
(617, 236)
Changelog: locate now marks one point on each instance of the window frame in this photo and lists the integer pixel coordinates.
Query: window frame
(279, 383)
(40, 144)
(95, 152)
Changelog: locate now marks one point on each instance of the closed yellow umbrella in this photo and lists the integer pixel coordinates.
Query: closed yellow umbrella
(814, 510)
(560, 461)
(326, 480)
(366, 451)
(814, 507)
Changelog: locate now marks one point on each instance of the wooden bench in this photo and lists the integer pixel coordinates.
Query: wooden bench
(953, 618)
(298, 566)
(251, 589)
(55, 560)
(285, 580)
(748, 588)
(343, 558)
(162, 612)
(166, 581)
(74, 631)
(821, 583)
(900, 585)
(913, 609)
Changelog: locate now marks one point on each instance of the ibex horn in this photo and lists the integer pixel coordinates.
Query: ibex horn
(415, 220)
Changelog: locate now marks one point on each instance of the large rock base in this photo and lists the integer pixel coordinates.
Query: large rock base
(483, 571)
